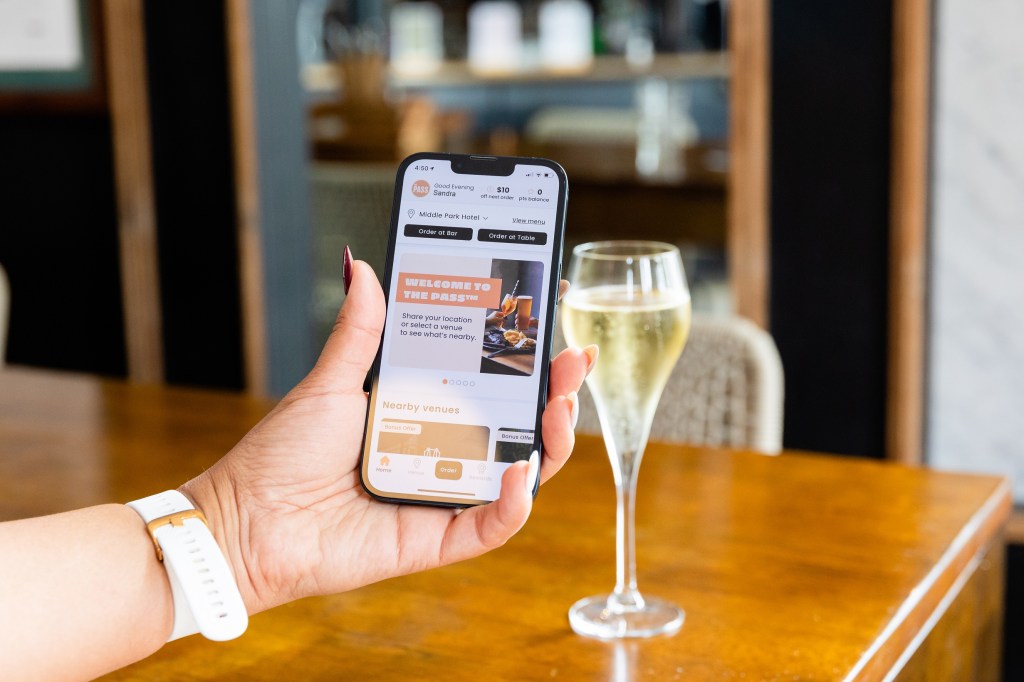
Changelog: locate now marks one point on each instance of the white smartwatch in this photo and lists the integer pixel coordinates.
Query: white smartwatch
(206, 597)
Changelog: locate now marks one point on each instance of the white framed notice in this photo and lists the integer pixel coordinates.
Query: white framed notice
(40, 35)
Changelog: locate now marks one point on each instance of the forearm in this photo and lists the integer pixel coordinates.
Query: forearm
(82, 593)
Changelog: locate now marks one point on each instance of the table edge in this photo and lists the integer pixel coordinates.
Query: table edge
(900, 636)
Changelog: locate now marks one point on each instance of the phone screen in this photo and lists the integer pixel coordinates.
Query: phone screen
(473, 268)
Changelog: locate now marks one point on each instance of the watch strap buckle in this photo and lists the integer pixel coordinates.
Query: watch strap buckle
(175, 519)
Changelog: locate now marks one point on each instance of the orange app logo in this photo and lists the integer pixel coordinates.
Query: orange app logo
(420, 188)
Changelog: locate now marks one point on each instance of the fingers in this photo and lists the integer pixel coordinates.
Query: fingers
(557, 433)
(353, 344)
(563, 288)
(481, 529)
(569, 369)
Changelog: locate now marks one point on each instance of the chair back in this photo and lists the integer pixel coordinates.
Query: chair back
(726, 390)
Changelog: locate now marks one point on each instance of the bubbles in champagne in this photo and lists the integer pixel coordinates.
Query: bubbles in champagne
(641, 336)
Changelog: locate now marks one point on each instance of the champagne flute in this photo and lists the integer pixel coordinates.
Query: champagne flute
(631, 299)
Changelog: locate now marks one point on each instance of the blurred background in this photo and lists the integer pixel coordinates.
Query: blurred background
(179, 181)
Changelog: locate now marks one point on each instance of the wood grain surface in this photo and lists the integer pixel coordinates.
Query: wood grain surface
(798, 567)
(136, 204)
(749, 230)
(245, 141)
(908, 238)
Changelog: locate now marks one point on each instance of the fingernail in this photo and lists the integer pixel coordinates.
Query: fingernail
(592, 352)
(532, 472)
(348, 268)
(563, 289)
(574, 411)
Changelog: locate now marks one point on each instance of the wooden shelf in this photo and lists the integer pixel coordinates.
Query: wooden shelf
(605, 69)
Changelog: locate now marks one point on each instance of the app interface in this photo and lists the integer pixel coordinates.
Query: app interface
(456, 398)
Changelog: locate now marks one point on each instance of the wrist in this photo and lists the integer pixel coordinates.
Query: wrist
(219, 504)
(203, 586)
(131, 532)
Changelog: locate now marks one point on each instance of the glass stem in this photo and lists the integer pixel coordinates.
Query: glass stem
(626, 595)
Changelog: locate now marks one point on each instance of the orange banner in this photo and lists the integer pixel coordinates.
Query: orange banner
(456, 290)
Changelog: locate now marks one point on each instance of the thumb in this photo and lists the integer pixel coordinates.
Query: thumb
(353, 343)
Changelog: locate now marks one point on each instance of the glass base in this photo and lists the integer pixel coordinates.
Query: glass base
(600, 618)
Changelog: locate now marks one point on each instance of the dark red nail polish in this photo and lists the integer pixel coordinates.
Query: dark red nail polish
(348, 268)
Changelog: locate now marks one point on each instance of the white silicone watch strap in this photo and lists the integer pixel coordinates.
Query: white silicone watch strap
(206, 597)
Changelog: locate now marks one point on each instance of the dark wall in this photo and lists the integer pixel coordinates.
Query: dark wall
(58, 235)
(831, 78)
(58, 241)
(195, 202)
(1013, 655)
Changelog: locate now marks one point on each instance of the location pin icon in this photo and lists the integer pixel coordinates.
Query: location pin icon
(412, 212)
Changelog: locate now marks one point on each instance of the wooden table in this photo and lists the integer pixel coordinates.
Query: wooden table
(520, 364)
(798, 567)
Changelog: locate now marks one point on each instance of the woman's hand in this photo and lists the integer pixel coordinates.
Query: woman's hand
(287, 506)
(495, 319)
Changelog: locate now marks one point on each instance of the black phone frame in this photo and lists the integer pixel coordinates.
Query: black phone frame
(471, 164)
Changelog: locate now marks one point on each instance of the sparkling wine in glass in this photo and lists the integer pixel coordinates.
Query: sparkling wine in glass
(631, 299)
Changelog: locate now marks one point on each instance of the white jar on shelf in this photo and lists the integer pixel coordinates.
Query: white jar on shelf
(495, 37)
(417, 42)
(566, 35)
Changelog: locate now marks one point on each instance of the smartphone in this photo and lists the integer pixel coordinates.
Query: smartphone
(471, 279)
